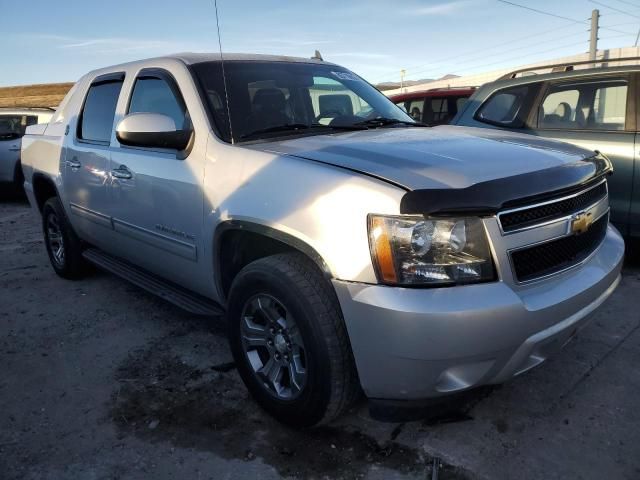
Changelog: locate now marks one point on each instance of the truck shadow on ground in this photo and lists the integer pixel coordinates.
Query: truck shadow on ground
(177, 396)
(10, 194)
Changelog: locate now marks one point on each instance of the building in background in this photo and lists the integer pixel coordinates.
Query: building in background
(481, 78)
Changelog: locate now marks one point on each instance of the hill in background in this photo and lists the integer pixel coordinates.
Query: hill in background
(409, 83)
(44, 95)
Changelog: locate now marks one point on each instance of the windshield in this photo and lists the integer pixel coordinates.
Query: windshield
(269, 99)
(12, 126)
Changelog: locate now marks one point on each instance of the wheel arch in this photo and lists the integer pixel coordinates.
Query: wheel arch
(235, 246)
(43, 189)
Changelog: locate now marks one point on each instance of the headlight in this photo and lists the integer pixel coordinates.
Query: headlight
(414, 250)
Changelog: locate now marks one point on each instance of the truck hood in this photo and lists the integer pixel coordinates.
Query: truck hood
(440, 162)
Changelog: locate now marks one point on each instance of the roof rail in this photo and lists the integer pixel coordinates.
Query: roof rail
(456, 87)
(566, 67)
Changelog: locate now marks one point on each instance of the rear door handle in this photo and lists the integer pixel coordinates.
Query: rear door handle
(14, 149)
(74, 164)
(122, 172)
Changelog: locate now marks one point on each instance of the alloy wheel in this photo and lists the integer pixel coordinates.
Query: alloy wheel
(55, 239)
(273, 345)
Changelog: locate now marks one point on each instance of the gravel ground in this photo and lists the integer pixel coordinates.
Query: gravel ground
(101, 380)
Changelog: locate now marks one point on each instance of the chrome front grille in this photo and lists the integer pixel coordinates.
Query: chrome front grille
(557, 255)
(546, 238)
(525, 217)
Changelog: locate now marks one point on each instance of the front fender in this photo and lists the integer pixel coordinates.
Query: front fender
(321, 208)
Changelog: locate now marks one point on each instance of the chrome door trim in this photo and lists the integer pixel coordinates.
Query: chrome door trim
(163, 242)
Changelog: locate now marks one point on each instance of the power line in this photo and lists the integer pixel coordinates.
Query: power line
(629, 3)
(444, 60)
(541, 11)
(554, 39)
(582, 42)
(611, 8)
(433, 66)
(480, 50)
(614, 30)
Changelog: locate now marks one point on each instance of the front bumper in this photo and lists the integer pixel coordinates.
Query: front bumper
(411, 344)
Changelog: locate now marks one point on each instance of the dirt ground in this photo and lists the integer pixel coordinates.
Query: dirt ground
(100, 380)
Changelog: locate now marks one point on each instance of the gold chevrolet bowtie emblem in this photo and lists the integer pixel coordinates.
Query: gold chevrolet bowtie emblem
(581, 222)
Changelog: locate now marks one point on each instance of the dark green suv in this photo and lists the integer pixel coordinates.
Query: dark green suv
(595, 108)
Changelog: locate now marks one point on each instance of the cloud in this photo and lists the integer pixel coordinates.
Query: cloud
(109, 45)
(365, 55)
(440, 8)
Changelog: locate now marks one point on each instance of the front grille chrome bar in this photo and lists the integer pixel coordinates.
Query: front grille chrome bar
(520, 219)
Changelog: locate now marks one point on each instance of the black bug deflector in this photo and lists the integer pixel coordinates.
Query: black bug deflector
(491, 196)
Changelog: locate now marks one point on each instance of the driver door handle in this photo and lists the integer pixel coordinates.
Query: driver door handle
(122, 172)
(74, 163)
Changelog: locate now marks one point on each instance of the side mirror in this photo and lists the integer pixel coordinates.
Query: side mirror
(151, 130)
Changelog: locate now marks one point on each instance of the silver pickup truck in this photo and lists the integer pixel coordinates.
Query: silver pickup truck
(349, 248)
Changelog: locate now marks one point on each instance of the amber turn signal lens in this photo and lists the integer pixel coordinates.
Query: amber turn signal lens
(382, 250)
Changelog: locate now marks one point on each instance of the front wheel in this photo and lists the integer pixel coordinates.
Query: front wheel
(289, 340)
(63, 245)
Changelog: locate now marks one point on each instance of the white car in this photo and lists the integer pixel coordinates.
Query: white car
(348, 247)
(13, 123)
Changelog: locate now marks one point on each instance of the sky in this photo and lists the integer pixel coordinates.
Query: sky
(45, 41)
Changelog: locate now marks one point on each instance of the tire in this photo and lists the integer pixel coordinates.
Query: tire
(63, 245)
(309, 310)
(18, 177)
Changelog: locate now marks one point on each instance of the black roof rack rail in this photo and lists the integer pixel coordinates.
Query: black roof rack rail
(454, 87)
(566, 67)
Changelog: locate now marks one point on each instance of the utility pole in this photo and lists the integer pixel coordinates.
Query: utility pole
(402, 74)
(593, 41)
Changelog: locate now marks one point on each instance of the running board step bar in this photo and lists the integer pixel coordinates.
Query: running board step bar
(170, 292)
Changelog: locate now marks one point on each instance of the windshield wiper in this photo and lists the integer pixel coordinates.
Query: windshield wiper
(384, 121)
(301, 126)
(277, 128)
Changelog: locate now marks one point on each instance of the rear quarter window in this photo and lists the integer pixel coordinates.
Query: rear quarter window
(508, 107)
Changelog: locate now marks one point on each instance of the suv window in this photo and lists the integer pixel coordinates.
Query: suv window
(440, 109)
(12, 126)
(155, 95)
(96, 119)
(504, 108)
(415, 108)
(585, 106)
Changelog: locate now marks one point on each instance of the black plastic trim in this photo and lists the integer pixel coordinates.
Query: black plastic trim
(267, 231)
(488, 198)
(178, 140)
(181, 140)
(115, 77)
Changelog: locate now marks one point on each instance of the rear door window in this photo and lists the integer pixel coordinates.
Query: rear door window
(96, 118)
(590, 105)
(506, 108)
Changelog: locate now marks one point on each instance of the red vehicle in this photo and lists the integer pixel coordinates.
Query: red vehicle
(433, 107)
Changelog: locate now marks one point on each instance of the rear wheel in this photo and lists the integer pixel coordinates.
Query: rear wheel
(63, 245)
(289, 340)
(18, 177)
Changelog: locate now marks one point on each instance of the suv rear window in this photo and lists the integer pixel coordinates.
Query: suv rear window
(505, 108)
(96, 120)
